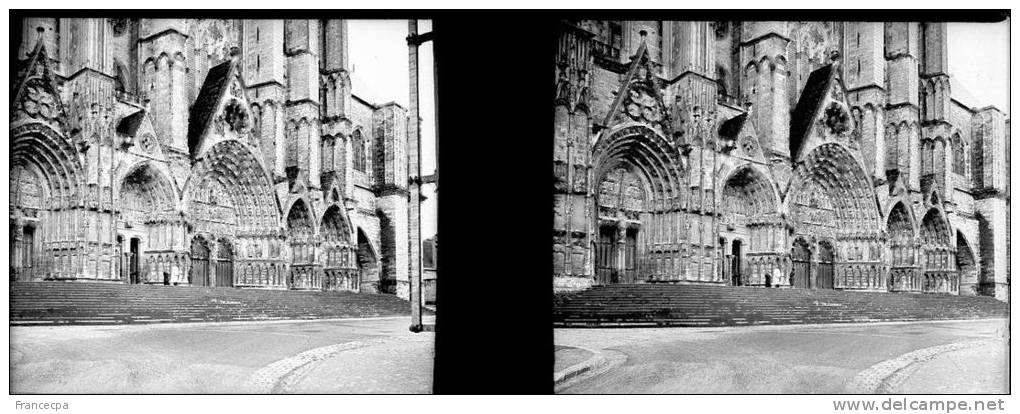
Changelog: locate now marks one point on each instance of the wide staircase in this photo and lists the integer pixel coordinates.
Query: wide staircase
(54, 303)
(640, 305)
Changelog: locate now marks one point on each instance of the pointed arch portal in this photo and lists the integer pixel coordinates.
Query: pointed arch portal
(831, 198)
(304, 272)
(966, 263)
(904, 272)
(229, 197)
(368, 264)
(646, 218)
(940, 273)
(49, 207)
(151, 227)
(750, 217)
(340, 270)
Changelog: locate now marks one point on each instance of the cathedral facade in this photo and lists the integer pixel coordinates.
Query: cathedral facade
(815, 155)
(204, 153)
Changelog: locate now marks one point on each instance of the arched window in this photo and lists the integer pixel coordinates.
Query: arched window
(892, 133)
(291, 153)
(358, 144)
(959, 163)
(326, 152)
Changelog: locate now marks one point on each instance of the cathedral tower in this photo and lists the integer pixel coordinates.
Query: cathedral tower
(764, 84)
(90, 96)
(903, 134)
(301, 47)
(265, 76)
(335, 100)
(936, 148)
(864, 72)
(162, 49)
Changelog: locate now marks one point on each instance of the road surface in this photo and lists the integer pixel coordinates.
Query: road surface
(781, 359)
(375, 355)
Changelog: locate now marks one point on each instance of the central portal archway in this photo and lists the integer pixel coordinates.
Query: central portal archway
(831, 199)
(229, 197)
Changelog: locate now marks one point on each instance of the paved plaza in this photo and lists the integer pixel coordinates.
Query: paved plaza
(372, 355)
(794, 359)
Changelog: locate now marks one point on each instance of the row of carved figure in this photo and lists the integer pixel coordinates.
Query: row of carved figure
(775, 271)
(175, 268)
(314, 278)
(915, 280)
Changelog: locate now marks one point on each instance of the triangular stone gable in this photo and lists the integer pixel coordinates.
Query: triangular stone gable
(333, 184)
(142, 139)
(897, 183)
(745, 143)
(36, 95)
(640, 96)
(222, 111)
(823, 115)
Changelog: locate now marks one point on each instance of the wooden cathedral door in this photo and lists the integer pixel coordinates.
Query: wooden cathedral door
(605, 256)
(825, 266)
(801, 265)
(199, 263)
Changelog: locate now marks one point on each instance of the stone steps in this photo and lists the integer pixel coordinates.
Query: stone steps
(701, 305)
(52, 303)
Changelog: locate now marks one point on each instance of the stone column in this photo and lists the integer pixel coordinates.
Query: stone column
(621, 250)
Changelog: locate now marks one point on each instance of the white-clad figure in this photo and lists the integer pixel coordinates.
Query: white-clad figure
(777, 277)
(175, 275)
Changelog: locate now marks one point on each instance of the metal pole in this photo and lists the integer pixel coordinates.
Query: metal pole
(414, 182)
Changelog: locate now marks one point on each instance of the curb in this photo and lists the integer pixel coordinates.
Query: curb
(204, 324)
(875, 322)
(277, 377)
(600, 362)
(883, 377)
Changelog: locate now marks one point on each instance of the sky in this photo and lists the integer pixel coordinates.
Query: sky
(379, 57)
(979, 58)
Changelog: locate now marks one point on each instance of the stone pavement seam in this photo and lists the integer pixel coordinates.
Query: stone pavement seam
(883, 376)
(600, 362)
(275, 377)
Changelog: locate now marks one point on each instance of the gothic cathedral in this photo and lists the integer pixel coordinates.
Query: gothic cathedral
(203, 153)
(814, 155)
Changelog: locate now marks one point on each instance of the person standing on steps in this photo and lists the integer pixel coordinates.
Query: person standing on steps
(175, 275)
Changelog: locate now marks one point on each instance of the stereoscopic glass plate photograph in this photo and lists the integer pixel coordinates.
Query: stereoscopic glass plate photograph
(770, 204)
